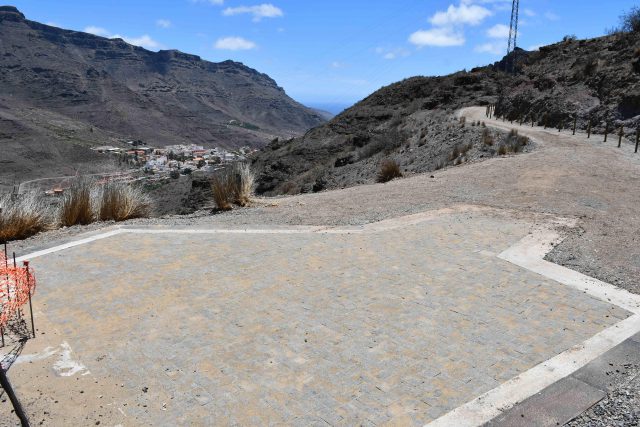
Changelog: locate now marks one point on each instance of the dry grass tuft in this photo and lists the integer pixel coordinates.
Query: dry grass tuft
(76, 207)
(233, 186)
(389, 169)
(23, 216)
(487, 138)
(246, 184)
(117, 201)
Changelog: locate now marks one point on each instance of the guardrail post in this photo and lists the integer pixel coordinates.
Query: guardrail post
(620, 135)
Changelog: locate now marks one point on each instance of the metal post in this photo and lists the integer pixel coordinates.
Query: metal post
(6, 385)
(532, 120)
(637, 139)
(575, 123)
(589, 130)
(606, 131)
(33, 327)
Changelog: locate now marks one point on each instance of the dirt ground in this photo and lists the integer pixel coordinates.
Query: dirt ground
(570, 176)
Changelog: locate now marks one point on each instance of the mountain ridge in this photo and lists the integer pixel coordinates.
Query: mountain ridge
(79, 90)
(411, 121)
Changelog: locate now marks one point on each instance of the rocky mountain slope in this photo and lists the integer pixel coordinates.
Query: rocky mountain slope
(63, 91)
(411, 121)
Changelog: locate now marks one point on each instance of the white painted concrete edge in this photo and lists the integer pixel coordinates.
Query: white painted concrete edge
(529, 253)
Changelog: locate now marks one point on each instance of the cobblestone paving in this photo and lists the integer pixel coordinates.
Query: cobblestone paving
(397, 326)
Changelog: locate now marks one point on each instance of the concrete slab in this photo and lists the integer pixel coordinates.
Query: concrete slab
(610, 368)
(555, 406)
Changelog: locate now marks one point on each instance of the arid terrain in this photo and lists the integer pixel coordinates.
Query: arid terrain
(67, 91)
(461, 250)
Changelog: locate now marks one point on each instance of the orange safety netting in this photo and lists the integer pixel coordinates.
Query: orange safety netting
(17, 284)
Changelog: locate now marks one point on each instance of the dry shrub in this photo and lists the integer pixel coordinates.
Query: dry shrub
(455, 153)
(233, 186)
(117, 201)
(487, 138)
(76, 206)
(23, 216)
(389, 169)
(502, 150)
(463, 121)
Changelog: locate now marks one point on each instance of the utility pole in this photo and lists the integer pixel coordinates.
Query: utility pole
(513, 36)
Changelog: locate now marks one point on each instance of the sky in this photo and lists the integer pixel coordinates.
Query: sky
(332, 53)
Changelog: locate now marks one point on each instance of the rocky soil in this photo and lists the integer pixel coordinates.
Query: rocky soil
(595, 80)
(621, 407)
(425, 142)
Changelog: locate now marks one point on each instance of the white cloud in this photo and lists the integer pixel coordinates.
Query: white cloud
(163, 23)
(234, 43)
(390, 54)
(529, 12)
(143, 41)
(440, 37)
(494, 48)
(551, 16)
(448, 26)
(96, 31)
(464, 14)
(266, 10)
(336, 64)
(499, 31)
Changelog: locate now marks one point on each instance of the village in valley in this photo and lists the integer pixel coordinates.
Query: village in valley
(181, 159)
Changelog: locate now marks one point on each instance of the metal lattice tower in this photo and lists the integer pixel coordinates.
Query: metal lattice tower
(513, 37)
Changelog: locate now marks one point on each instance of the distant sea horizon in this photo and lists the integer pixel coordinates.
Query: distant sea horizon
(331, 107)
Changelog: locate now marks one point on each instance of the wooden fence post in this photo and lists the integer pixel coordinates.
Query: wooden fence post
(620, 135)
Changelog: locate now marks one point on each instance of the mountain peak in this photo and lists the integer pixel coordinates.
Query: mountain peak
(10, 13)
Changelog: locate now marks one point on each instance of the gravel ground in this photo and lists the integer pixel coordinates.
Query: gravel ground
(621, 407)
(573, 177)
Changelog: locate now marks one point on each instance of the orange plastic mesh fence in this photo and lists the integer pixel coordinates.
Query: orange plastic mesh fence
(16, 284)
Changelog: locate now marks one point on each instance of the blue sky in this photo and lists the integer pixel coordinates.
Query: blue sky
(331, 51)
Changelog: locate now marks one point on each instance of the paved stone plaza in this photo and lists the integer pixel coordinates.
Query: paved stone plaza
(395, 326)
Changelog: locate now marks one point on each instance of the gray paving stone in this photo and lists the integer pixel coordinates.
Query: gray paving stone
(398, 326)
(554, 406)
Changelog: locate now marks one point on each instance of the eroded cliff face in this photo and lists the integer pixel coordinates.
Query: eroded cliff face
(68, 90)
